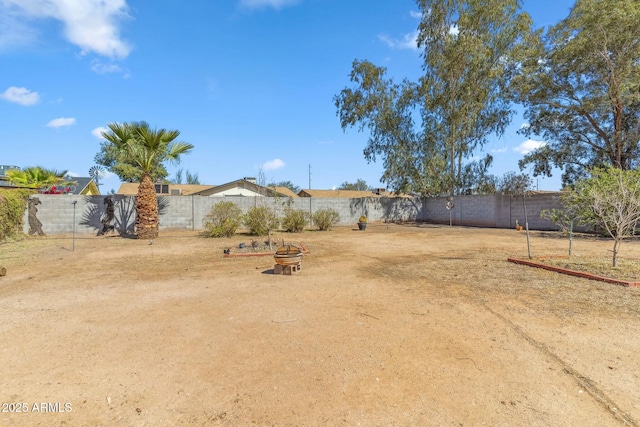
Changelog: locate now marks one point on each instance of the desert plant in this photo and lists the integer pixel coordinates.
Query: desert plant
(609, 199)
(223, 220)
(363, 219)
(325, 219)
(294, 220)
(261, 221)
(13, 203)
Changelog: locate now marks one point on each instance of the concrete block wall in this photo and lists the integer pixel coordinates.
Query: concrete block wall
(494, 210)
(56, 212)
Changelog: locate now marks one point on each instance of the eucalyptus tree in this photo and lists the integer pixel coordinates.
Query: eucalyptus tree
(139, 146)
(580, 85)
(425, 130)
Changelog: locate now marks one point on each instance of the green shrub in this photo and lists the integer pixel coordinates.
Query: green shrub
(13, 204)
(223, 220)
(325, 219)
(294, 220)
(261, 220)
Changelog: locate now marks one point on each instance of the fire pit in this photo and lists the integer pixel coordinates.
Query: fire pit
(288, 259)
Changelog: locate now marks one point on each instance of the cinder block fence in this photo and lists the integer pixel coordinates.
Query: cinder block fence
(60, 215)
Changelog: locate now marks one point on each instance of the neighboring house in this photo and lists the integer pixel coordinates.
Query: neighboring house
(131, 189)
(84, 186)
(337, 194)
(245, 187)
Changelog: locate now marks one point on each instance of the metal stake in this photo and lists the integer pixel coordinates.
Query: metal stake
(73, 239)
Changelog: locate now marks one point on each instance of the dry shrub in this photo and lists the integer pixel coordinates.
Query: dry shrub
(223, 220)
(325, 219)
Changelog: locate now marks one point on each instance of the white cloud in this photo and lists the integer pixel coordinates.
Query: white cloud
(73, 174)
(528, 146)
(409, 41)
(525, 125)
(20, 95)
(276, 4)
(92, 25)
(97, 132)
(14, 32)
(60, 122)
(454, 30)
(416, 15)
(499, 150)
(273, 165)
(100, 68)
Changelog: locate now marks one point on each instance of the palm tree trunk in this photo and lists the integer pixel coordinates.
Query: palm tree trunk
(146, 209)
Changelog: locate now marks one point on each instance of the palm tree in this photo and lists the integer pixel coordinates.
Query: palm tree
(146, 147)
(37, 177)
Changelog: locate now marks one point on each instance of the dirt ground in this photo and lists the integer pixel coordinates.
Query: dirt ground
(399, 325)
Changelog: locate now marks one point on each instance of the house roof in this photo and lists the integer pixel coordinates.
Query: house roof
(285, 191)
(336, 194)
(131, 188)
(85, 186)
(241, 183)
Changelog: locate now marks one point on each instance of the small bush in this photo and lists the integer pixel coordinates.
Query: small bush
(325, 219)
(363, 219)
(294, 220)
(223, 220)
(261, 220)
(13, 204)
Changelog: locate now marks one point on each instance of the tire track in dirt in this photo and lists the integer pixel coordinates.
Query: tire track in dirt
(585, 382)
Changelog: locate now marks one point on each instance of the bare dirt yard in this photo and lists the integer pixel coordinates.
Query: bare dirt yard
(398, 325)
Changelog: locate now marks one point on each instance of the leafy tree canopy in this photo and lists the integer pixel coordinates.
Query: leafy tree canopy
(423, 131)
(514, 184)
(191, 178)
(580, 85)
(359, 185)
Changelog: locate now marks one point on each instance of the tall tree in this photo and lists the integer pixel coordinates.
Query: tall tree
(192, 178)
(119, 161)
(476, 179)
(469, 52)
(424, 131)
(581, 89)
(137, 144)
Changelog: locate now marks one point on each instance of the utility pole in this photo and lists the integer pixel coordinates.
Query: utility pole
(310, 211)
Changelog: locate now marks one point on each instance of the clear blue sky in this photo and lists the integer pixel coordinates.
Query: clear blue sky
(249, 82)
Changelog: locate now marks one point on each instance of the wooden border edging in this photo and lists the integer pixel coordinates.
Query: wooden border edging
(582, 274)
